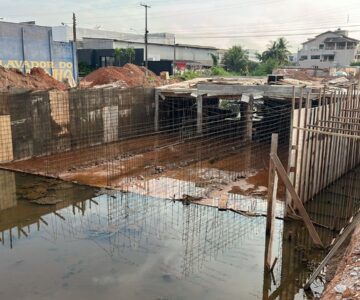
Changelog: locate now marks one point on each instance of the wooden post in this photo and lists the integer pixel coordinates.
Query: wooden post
(296, 200)
(272, 185)
(271, 213)
(199, 120)
(156, 117)
(249, 119)
(290, 173)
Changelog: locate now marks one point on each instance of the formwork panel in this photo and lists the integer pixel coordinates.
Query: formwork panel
(6, 148)
(21, 126)
(41, 123)
(60, 121)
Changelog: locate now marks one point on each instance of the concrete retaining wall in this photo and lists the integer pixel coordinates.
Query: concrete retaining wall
(35, 124)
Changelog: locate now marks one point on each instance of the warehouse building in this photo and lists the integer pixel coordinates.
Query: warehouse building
(162, 49)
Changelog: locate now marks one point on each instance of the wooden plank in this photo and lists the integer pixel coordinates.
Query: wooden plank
(275, 91)
(323, 141)
(333, 250)
(297, 202)
(345, 118)
(340, 122)
(223, 202)
(327, 155)
(340, 158)
(271, 205)
(336, 139)
(356, 137)
(290, 169)
(6, 146)
(303, 161)
(332, 142)
(316, 170)
(323, 147)
(310, 154)
(298, 153)
(332, 128)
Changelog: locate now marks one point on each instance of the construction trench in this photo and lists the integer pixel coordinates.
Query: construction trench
(130, 153)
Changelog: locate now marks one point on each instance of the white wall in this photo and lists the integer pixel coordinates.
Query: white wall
(160, 47)
(166, 52)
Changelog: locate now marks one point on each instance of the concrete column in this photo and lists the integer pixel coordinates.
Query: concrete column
(199, 120)
(249, 119)
(156, 117)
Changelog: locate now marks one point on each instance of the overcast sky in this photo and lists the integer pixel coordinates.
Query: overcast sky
(250, 23)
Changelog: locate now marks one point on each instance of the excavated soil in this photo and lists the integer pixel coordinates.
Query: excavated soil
(346, 282)
(37, 79)
(127, 76)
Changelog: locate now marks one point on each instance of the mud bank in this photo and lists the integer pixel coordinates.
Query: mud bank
(346, 282)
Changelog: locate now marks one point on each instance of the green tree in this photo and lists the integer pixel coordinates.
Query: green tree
(124, 56)
(278, 51)
(236, 59)
(265, 67)
(214, 59)
(130, 52)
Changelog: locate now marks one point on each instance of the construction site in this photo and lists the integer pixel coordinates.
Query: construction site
(198, 184)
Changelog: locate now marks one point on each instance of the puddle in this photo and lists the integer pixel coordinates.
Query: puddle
(100, 246)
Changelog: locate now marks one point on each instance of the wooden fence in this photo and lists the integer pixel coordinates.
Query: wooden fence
(325, 140)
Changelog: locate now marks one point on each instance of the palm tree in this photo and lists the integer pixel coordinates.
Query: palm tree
(236, 59)
(278, 51)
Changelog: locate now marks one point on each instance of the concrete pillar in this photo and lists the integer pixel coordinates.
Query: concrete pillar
(156, 117)
(199, 120)
(249, 119)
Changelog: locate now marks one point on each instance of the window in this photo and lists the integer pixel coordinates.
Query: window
(350, 45)
(329, 57)
(330, 46)
(340, 46)
(315, 56)
(321, 46)
(106, 61)
(303, 57)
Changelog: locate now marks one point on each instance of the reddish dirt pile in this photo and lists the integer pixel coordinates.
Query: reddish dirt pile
(127, 76)
(38, 79)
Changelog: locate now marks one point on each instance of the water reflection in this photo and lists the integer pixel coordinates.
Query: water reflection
(140, 247)
(8, 190)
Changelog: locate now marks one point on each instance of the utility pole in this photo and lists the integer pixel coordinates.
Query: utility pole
(174, 62)
(76, 68)
(146, 37)
(74, 28)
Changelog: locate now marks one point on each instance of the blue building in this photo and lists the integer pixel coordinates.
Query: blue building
(24, 46)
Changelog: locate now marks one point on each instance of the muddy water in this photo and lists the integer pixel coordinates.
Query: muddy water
(113, 245)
